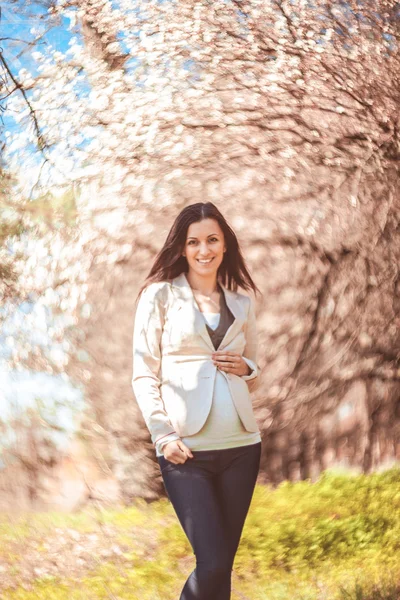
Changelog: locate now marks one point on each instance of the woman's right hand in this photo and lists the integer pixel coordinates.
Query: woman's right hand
(177, 452)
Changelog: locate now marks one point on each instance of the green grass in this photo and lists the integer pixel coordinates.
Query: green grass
(336, 539)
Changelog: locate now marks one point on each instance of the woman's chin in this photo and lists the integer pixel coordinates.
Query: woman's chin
(205, 270)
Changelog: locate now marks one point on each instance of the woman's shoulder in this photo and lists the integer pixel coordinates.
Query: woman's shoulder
(155, 286)
(241, 297)
(157, 291)
(246, 301)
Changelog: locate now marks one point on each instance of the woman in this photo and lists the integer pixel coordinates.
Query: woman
(194, 359)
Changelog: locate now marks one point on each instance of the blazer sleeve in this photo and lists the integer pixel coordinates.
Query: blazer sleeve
(148, 326)
(250, 350)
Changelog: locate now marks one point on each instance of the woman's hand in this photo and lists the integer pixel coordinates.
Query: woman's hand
(177, 452)
(230, 362)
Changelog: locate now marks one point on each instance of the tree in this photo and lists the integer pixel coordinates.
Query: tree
(287, 117)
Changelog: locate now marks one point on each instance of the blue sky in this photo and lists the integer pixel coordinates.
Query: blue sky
(18, 54)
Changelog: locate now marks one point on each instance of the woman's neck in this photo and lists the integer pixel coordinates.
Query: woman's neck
(205, 285)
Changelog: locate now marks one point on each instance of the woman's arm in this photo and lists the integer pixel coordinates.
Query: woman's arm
(149, 321)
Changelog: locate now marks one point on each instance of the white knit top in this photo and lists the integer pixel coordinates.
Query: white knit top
(212, 319)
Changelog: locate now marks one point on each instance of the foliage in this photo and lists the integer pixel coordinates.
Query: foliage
(11, 227)
(331, 540)
(303, 525)
(20, 219)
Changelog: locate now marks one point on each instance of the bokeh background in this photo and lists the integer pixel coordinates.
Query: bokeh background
(115, 115)
(286, 115)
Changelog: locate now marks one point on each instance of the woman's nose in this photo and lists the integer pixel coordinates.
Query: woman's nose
(203, 250)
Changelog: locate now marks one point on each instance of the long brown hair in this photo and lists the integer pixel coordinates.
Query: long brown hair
(169, 262)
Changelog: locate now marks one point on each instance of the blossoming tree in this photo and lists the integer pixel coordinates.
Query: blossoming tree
(286, 116)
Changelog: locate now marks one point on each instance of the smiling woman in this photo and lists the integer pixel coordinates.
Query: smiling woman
(195, 360)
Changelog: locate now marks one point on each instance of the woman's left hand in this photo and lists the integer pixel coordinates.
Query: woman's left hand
(230, 362)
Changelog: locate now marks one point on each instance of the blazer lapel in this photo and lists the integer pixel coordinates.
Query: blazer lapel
(186, 294)
(237, 312)
(187, 297)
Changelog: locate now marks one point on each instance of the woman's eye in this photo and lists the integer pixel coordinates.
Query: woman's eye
(191, 242)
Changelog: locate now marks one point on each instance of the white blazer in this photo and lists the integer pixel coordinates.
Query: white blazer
(173, 372)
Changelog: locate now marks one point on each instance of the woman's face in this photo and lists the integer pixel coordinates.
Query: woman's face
(204, 247)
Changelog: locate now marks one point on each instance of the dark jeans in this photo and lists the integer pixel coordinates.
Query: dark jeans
(211, 495)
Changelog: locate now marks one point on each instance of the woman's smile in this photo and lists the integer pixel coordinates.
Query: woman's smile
(204, 261)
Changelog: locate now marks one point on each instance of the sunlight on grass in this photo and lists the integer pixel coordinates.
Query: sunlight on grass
(330, 540)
